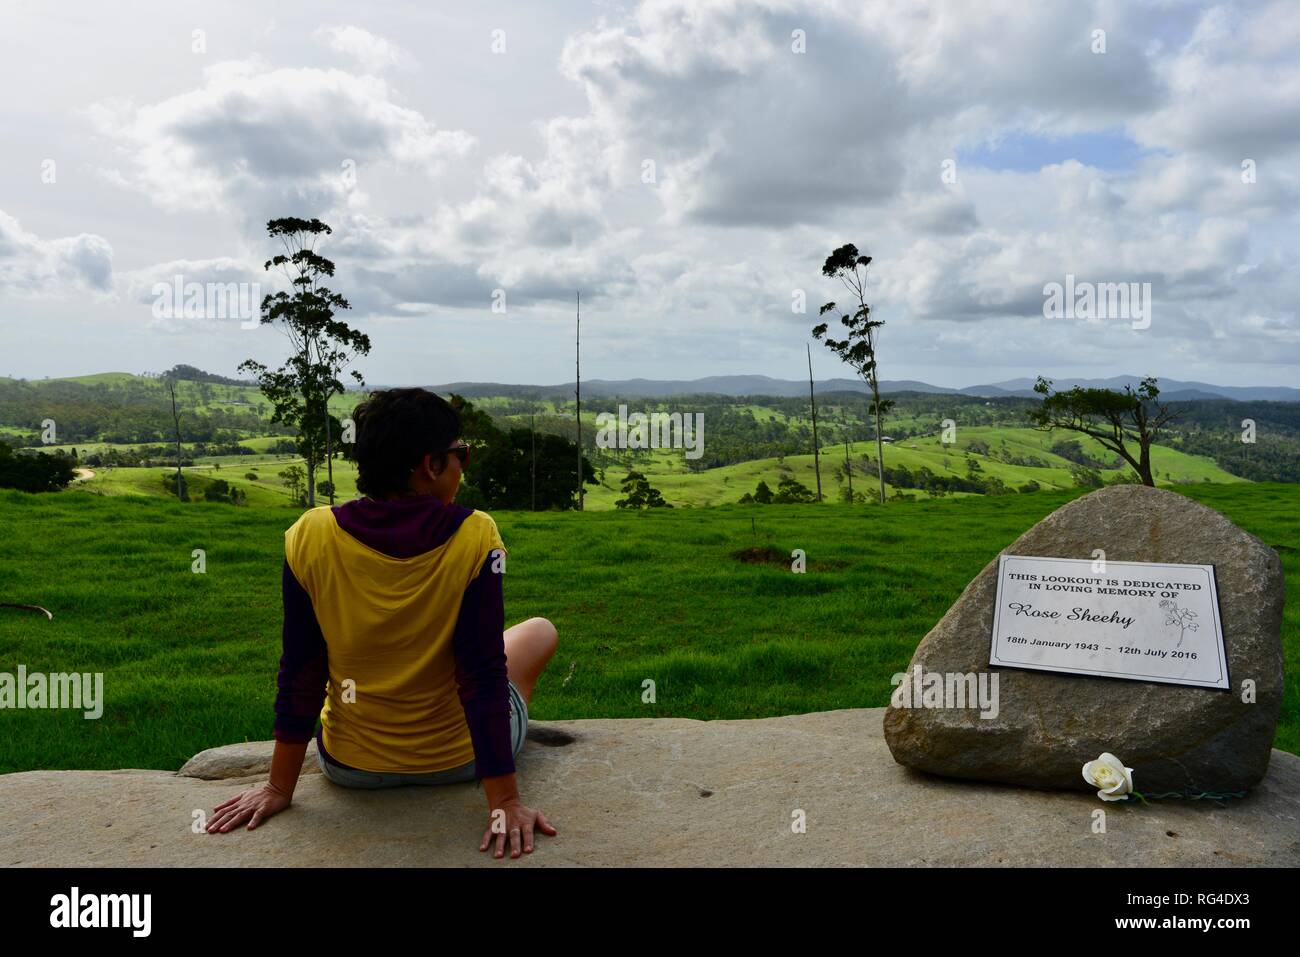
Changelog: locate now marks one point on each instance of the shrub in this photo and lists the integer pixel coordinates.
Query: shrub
(34, 471)
(1086, 477)
(640, 494)
(789, 491)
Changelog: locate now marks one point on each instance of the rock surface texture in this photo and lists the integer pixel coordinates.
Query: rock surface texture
(1176, 738)
(659, 792)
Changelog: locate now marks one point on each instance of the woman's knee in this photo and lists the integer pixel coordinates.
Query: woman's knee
(546, 634)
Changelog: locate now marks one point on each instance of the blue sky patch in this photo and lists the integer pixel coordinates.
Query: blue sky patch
(1022, 151)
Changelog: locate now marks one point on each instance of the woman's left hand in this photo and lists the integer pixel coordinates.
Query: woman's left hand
(254, 805)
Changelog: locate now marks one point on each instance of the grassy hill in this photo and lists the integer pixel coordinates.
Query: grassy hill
(190, 659)
(100, 378)
(668, 473)
(190, 395)
(743, 440)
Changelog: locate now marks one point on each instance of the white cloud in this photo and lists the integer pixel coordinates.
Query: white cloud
(67, 266)
(372, 53)
(251, 142)
(1233, 95)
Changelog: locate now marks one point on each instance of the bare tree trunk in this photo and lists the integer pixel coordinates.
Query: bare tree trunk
(311, 477)
(577, 410)
(532, 472)
(848, 465)
(1144, 467)
(329, 452)
(176, 420)
(880, 445)
(817, 466)
(309, 458)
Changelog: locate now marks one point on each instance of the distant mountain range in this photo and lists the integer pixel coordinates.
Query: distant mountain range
(1172, 390)
(737, 385)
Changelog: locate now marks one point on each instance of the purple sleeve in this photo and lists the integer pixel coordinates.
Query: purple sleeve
(303, 665)
(480, 650)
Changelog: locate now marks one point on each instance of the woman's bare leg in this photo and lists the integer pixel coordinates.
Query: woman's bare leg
(529, 646)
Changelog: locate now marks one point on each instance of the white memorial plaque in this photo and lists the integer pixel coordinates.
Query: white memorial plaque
(1144, 621)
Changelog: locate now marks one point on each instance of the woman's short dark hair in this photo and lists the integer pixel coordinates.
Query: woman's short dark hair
(396, 428)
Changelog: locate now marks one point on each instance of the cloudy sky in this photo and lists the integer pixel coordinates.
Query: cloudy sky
(686, 164)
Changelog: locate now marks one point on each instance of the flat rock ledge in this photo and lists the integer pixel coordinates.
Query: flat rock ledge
(660, 792)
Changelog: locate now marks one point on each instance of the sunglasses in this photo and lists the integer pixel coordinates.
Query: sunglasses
(461, 451)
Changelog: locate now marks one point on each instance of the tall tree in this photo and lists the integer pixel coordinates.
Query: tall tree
(812, 401)
(1127, 423)
(321, 346)
(176, 424)
(858, 348)
(293, 479)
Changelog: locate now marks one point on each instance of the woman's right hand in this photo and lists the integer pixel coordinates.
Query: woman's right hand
(515, 820)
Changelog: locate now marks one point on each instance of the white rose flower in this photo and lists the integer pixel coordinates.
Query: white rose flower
(1109, 774)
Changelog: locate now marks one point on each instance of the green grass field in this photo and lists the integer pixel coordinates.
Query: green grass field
(666, 469)
(267, 489)
(668, 472)
(190, 659)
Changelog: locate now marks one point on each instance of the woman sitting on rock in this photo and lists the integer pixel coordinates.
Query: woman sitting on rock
(394, 620)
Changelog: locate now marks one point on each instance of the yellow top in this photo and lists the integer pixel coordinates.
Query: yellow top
(392, 703)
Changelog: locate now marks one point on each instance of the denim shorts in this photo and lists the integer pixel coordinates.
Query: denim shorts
(354, 778)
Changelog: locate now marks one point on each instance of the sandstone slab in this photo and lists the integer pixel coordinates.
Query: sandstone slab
(662, 793)
(1175, 738)
(240, 761)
